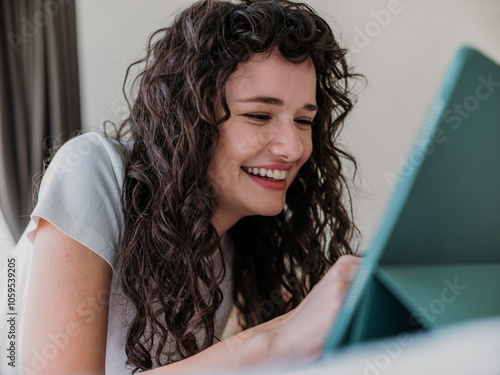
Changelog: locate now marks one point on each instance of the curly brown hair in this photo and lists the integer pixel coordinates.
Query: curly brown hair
(169, 245)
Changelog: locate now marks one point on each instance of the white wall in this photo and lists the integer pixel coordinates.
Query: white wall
(404, 60)
(111, 35)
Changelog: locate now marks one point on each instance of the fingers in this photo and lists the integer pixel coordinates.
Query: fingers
(305, 329)
(329, 292)
(349, 259)
(344, 268)
(336, 281)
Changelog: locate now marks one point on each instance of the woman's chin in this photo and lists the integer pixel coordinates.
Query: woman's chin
(270, 210)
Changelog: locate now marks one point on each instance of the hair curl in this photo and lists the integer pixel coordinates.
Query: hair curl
(168, 244)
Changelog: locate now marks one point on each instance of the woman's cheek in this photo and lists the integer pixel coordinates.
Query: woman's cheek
(227, 173)
(255, 141)
(308, 146)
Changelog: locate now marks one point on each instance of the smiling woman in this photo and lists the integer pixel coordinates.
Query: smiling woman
(223, 187)
(272, 102)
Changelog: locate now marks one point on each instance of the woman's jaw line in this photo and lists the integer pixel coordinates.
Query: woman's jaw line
(223, 222)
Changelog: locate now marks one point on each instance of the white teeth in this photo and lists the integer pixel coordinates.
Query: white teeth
(275, 174)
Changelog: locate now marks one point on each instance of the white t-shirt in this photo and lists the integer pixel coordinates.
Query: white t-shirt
(80, 195)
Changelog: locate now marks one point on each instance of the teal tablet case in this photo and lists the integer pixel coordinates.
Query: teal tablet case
(435, 259)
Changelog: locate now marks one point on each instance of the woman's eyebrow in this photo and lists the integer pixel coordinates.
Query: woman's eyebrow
(274, 101)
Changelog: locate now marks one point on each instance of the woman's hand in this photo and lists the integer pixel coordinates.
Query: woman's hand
(300, 334)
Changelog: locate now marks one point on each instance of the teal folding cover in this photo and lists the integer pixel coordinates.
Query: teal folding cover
(435, 259)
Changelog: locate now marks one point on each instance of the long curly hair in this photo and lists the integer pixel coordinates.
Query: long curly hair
(169, 246)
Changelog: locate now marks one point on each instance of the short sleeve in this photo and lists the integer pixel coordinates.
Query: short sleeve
(80, 193)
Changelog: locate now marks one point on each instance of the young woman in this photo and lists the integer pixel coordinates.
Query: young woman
(223, 187)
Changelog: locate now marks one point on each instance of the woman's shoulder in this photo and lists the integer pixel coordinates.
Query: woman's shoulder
(90, 148)
(80, 192)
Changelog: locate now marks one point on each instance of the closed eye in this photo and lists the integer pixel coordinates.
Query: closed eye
(257, 116)
(305, 122)
(264, 117)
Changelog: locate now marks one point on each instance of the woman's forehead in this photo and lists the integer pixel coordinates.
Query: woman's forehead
(274, 72)
(270, 58)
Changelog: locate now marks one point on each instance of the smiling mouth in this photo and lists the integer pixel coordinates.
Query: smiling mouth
(266, 174)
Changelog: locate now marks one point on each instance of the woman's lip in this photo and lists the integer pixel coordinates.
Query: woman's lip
(279, 167)
(268, 184)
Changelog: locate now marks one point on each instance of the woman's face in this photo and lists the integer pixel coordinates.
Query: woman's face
(272, 103)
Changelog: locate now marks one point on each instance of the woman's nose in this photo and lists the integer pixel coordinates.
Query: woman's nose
(286, 144)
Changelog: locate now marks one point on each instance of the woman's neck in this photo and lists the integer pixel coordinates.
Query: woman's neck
(223, 221)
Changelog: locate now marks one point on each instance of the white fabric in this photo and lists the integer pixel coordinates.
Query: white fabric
(80, 195)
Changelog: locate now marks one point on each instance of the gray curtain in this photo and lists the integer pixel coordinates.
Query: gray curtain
(39, 96)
